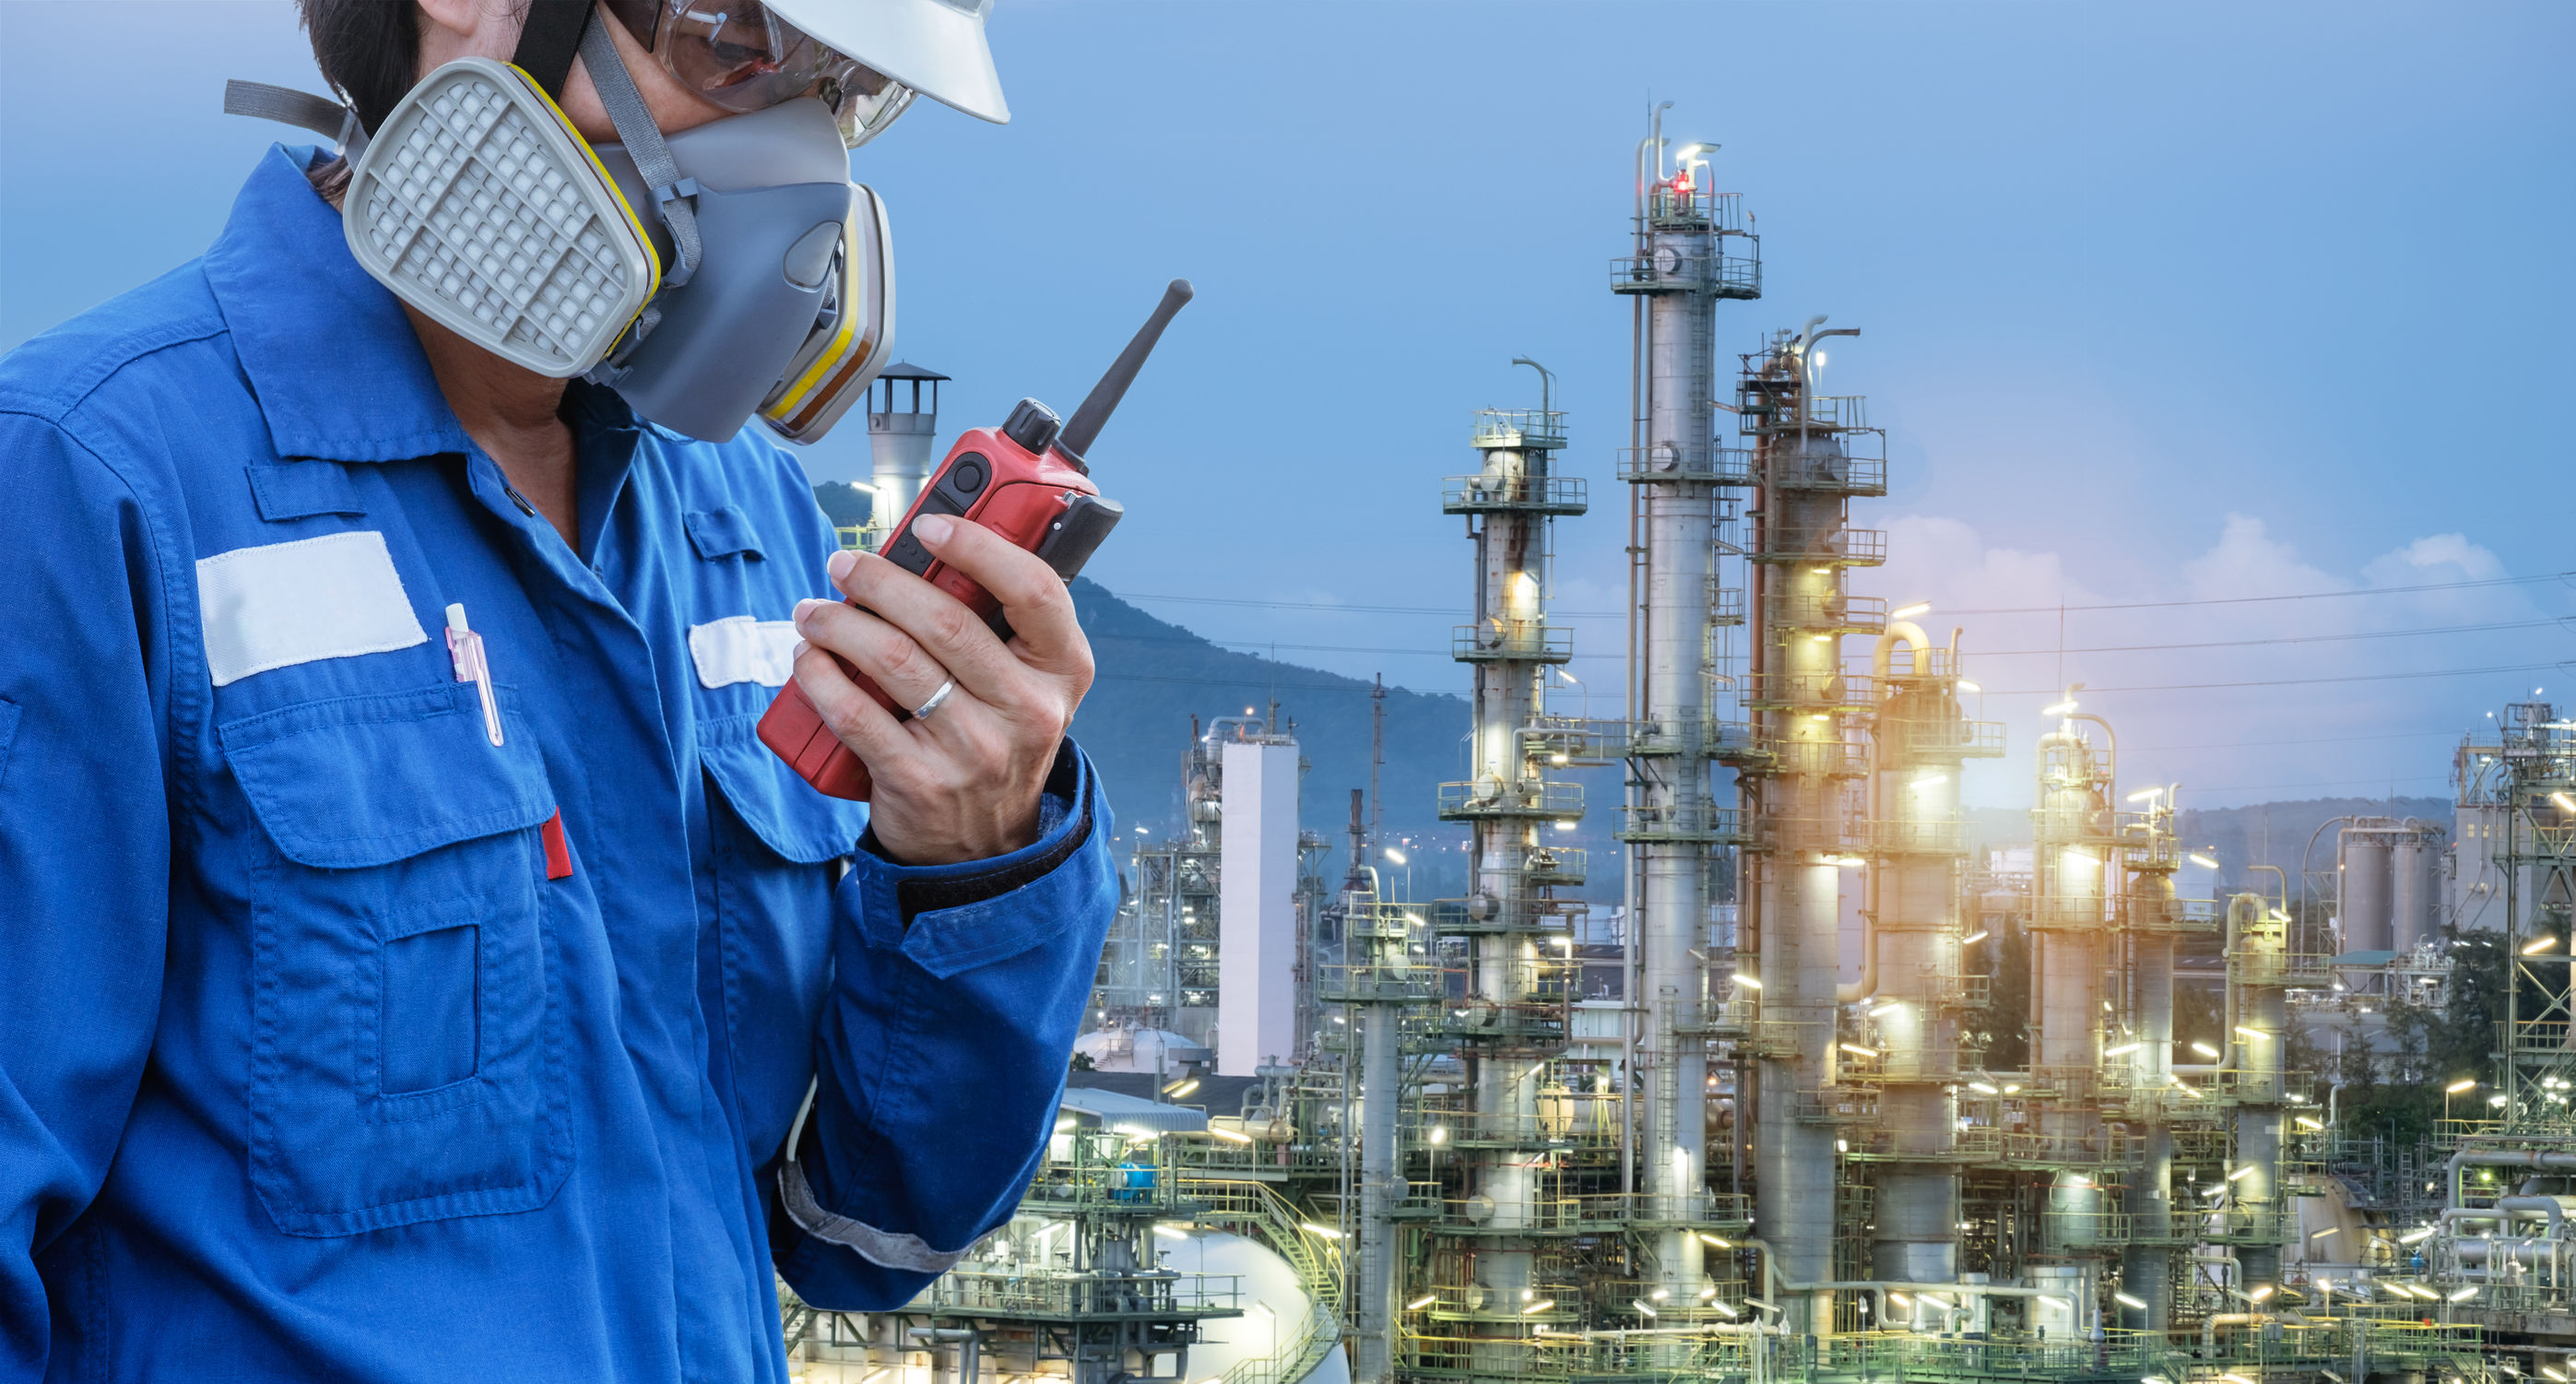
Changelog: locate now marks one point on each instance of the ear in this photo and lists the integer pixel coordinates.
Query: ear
(452, 29)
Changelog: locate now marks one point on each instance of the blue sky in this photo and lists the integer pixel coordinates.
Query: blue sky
(2162, 302)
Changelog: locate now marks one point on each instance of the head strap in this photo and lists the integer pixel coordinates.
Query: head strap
(549, 40)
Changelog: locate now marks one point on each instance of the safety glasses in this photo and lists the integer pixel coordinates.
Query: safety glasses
(742, 56)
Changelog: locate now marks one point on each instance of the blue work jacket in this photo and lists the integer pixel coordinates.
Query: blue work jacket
(337, 1040)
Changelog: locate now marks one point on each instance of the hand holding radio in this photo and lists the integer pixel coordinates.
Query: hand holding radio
(910, 686)
(962, 782)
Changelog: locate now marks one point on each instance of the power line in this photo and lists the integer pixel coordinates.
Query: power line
(2557, 622)
(2293, 682)
(1453, 612)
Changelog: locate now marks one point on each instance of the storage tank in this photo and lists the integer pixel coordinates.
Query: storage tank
(2412, 857)
(2367, 922)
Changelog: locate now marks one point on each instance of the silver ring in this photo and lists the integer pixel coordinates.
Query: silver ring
(936, 699)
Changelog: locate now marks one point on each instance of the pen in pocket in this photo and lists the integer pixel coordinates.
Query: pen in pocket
(466, 648)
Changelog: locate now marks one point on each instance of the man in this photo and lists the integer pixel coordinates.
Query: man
(414, 965)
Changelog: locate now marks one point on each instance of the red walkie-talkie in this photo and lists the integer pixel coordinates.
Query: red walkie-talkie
(1026, 481)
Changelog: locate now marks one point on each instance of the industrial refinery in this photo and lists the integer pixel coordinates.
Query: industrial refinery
(1843, 1087)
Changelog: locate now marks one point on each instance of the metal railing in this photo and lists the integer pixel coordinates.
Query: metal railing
(1841, 548)
(1522, 798)
(1486, 492)
(1829, 473)
(1702, 821)
(1052, 1295)
(1827, 609)
(1494, 641)
(1526, 428)
(1669, 269)
(1810, 691)
(1669, 461)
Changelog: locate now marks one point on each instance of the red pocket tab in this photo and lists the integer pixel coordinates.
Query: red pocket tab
(558, 850)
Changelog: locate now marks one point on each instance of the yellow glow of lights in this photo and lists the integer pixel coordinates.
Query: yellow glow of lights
(2329, 1230)
(2241, 1173)
(2421, 1232)
(2124, 1050)
(2133, 1304)
(1931, 780)
(1983, 1089)
(1565, 826)
(1886, 1009)
(1421, 1302)
(1324, 1230)
(2243, 1032)
(1539, 1306)
(1972, 938)
(2063, 708)
(1440, 1134)
(2456, 1087)
(2309, 1124)
(2539, 945)
(2565, 803)
(1857, 1050)
(1899, 1299)
(1822, 638)
(2261, 1293)
(2185, 1088)
(1183, 1089)
(1710, 1293)
(1391, 853)
(1231, 1136)
(1171, 1232)
(2201, 860)
(2204, 1049)
(2146, 794)
(1640, 1305)
(1908, 612)
(1747, 981)
(1714, 1242)
(2465, 1294)
(1967, 686)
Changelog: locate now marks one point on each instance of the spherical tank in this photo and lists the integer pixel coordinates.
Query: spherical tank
(1276, 1309)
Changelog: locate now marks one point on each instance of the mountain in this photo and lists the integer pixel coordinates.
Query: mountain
(1155, 676)
(2279, 833)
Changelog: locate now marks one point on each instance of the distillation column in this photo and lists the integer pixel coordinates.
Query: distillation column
(1912, 978)
(1516, 931)
(1672, 826)
(1378, 978)
(2153, 917)
(2258, 965)
(2073, 840)
(1802, 809)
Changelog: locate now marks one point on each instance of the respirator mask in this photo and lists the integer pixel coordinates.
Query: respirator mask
(730, 270)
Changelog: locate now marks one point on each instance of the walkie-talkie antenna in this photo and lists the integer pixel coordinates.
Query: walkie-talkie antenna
(1087, 420)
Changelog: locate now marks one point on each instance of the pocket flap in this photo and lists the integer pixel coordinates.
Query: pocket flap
(361, 781)
(788, 814)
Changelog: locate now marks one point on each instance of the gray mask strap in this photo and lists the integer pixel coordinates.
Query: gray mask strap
(302, 109)
(643, 141)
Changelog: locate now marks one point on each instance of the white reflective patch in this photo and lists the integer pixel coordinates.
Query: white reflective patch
(739, 648)
(281, 604)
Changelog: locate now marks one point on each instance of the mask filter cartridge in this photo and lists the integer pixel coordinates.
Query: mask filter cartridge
(478, 204)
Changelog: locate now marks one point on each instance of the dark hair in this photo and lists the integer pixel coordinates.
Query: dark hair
(369, 51)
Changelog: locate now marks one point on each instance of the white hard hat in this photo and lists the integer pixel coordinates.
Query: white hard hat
(935, 47)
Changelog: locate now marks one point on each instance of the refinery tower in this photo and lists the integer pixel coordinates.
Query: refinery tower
(1839, 1089)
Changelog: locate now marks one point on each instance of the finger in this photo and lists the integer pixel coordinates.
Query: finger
(890, 657)
(952, 634)
(1032, 595)
(871, 731)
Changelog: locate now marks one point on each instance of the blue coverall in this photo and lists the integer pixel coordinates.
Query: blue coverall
(335, 1040)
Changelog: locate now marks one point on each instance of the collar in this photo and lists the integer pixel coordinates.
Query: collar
(333, 361)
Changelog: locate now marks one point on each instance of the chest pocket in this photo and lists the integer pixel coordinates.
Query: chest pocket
(407, 1052)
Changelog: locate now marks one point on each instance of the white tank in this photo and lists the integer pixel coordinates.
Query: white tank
(1146, 1050)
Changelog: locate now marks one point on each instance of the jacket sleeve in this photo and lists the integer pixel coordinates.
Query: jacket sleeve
(84, 847)
(957, 994)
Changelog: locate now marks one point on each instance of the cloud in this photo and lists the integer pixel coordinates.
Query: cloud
(2356, 688)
